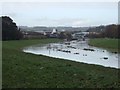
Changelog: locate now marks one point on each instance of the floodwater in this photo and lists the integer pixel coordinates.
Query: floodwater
(78, 51)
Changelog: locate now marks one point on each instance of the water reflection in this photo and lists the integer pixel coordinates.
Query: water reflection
(76, 51)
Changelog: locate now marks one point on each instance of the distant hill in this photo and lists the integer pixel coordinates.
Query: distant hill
(43, 28)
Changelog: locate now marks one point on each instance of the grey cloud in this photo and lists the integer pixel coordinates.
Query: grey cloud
(63, 21)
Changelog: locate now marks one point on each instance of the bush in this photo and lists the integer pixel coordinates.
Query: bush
(9, 29)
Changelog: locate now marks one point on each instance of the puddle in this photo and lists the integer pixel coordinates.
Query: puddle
(76, 51)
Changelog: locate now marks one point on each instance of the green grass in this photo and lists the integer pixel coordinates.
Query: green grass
(23, 70)
(110, 44)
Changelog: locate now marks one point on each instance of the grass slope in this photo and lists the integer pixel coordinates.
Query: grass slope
(22, 70)
(110, 44)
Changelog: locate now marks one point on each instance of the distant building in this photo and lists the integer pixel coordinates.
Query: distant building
(79, 35)
(31, 34)
(54, 33)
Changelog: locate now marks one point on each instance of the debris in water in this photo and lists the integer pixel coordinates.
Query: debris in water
(67, 43)
(88, 49)
(71, 47)
(84, 54)
(105, 58)
(76, 53)
(115, 52)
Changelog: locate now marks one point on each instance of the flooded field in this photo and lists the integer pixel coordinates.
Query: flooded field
(78, 51)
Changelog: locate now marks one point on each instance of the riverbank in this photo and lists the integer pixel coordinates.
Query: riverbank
(107, 43)
(22, 70)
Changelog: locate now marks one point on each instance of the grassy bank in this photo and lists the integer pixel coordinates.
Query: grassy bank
(22, 70)
(110, 44)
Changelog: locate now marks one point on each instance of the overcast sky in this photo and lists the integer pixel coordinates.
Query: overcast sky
(76, 14)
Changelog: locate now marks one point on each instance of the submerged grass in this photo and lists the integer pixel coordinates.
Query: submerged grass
(23, 70)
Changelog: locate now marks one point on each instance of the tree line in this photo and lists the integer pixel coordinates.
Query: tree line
(10, 31)
(109, 31)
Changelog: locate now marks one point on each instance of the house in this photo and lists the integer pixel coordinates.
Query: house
(54, 34)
